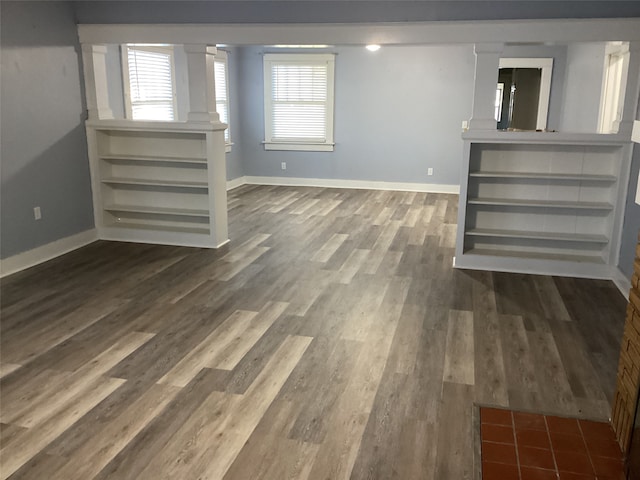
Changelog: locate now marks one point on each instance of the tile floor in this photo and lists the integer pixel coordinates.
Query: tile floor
(525, 446)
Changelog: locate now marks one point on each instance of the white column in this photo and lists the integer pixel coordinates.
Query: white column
(95, 81)
(485, 84)
(632, 90)
(202, 95)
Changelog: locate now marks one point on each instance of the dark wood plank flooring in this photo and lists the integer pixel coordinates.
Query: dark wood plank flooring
(331, 339)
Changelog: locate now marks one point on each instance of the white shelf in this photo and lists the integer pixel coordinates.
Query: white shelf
(565, 237)
(511, 202)
(155, 183)
(545, 176)
(544, 138)
(187, 212)
(521, 191)
(155, 159)
(536, 255)
(204, 230)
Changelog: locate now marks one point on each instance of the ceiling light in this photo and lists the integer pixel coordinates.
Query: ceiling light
(373, 48)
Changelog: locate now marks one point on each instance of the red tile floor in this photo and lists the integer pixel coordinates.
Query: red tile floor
(524, 446)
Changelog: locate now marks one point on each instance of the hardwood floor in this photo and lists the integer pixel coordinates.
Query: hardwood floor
(332, 339)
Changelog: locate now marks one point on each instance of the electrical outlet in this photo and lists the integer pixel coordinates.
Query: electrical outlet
(37, 214)
(430, 171)
(283, 165)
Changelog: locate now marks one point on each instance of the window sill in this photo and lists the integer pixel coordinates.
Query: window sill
(301, 147)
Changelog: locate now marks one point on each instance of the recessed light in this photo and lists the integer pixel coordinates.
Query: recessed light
(373, 48)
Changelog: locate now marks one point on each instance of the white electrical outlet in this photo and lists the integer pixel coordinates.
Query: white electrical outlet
(283, 165)
(430, 171)
(37, 214)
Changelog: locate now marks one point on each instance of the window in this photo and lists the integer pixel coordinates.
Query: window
(149, 82)
(298, 101)
(222, 93)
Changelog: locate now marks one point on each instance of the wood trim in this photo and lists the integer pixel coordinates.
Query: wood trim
(561, 30)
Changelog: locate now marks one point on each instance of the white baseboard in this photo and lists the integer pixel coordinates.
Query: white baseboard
(46, 252)
(621, 281)
(235, 183)
(357, 184)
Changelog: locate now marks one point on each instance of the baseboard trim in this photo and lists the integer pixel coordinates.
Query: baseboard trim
(355, 184)
(235, 183)
(36, 256)
(621, 281)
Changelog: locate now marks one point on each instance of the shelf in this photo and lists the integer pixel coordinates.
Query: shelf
(187, 212)
(562, 257)
(508, 202)
(568, 237)
(161, 228)
(155, 159)
(545, 138)
(545, 176)
(155, 183)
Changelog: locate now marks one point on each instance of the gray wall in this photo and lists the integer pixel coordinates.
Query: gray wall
(398, 111)
(583, 87)
(234, 157)
(631, 225)
(559, 55)
(43, 148)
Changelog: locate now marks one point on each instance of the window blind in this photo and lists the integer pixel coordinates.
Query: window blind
(300, 103)
(150, 84)
(222, 94)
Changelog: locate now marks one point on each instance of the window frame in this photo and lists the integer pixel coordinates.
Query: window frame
(304, 59)
(126, 79)
(223, 57)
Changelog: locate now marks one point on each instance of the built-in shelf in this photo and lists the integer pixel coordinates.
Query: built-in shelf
(204, 230)
(155, 159)
(155, 183)
(567, 237)
(545, 176)
(523, 192)
(159, 182)
(564, 257)
(512, 202)
(187, 212)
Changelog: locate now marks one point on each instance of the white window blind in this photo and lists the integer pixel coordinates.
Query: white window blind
(150, 81)
(222, 91)
(299, 101)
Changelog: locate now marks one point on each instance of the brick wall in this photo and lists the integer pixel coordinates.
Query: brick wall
(626, 396)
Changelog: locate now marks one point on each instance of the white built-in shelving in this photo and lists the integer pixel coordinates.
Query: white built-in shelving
(541, 202)
(159, 182)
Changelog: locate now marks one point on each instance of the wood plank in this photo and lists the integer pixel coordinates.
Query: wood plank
(340, 372)
(459, 357)
(237, 416)
(208, 353)
(17, 453)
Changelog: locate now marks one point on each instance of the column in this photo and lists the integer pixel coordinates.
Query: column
(632, 89)
(95, 82)
(485, 84)
(202, 96)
